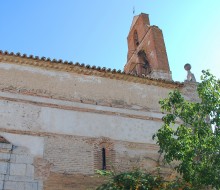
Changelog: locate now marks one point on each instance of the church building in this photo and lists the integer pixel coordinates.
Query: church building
(61, 121)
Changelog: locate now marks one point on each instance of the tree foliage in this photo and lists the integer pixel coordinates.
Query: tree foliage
(140, 180)
(131, 180)
(187, 135)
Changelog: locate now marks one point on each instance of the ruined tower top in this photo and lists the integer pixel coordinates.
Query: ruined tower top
(146, 50)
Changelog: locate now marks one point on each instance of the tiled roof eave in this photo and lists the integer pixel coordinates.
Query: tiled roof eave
(82, 69)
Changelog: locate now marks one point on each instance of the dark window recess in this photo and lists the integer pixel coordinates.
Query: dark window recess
(103, 159)
(136, 41)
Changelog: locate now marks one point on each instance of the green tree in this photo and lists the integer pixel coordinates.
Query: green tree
(187, 136)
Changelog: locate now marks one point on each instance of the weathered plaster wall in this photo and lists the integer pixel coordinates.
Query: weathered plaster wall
(91, 89)
(63, 120)
(75, 160)
(118, 124)
(69, 162)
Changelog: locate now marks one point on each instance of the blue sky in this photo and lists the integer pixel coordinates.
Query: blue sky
(94, 32)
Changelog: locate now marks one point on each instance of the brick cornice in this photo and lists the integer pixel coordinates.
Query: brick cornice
(66, 66)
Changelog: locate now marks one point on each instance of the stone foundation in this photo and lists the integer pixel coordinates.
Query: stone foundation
(17, 169)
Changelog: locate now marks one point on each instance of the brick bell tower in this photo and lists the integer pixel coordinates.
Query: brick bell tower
(146, 50)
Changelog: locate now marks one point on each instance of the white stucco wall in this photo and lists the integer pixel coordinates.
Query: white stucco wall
(33, 143)
(114, 123)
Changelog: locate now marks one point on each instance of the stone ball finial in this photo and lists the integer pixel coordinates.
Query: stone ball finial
(187, 67)
(190, 76)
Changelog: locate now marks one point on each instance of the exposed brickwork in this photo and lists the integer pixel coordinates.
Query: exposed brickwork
(161, 62)
(69, 155)
(135, 155)
(150, 42)
(108, 145)
(58, 181)
(141, 25)
(69, 162)
(121, 156)
(42, 168)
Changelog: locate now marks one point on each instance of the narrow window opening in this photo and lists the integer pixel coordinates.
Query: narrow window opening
(103, 159)
(136, 41)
